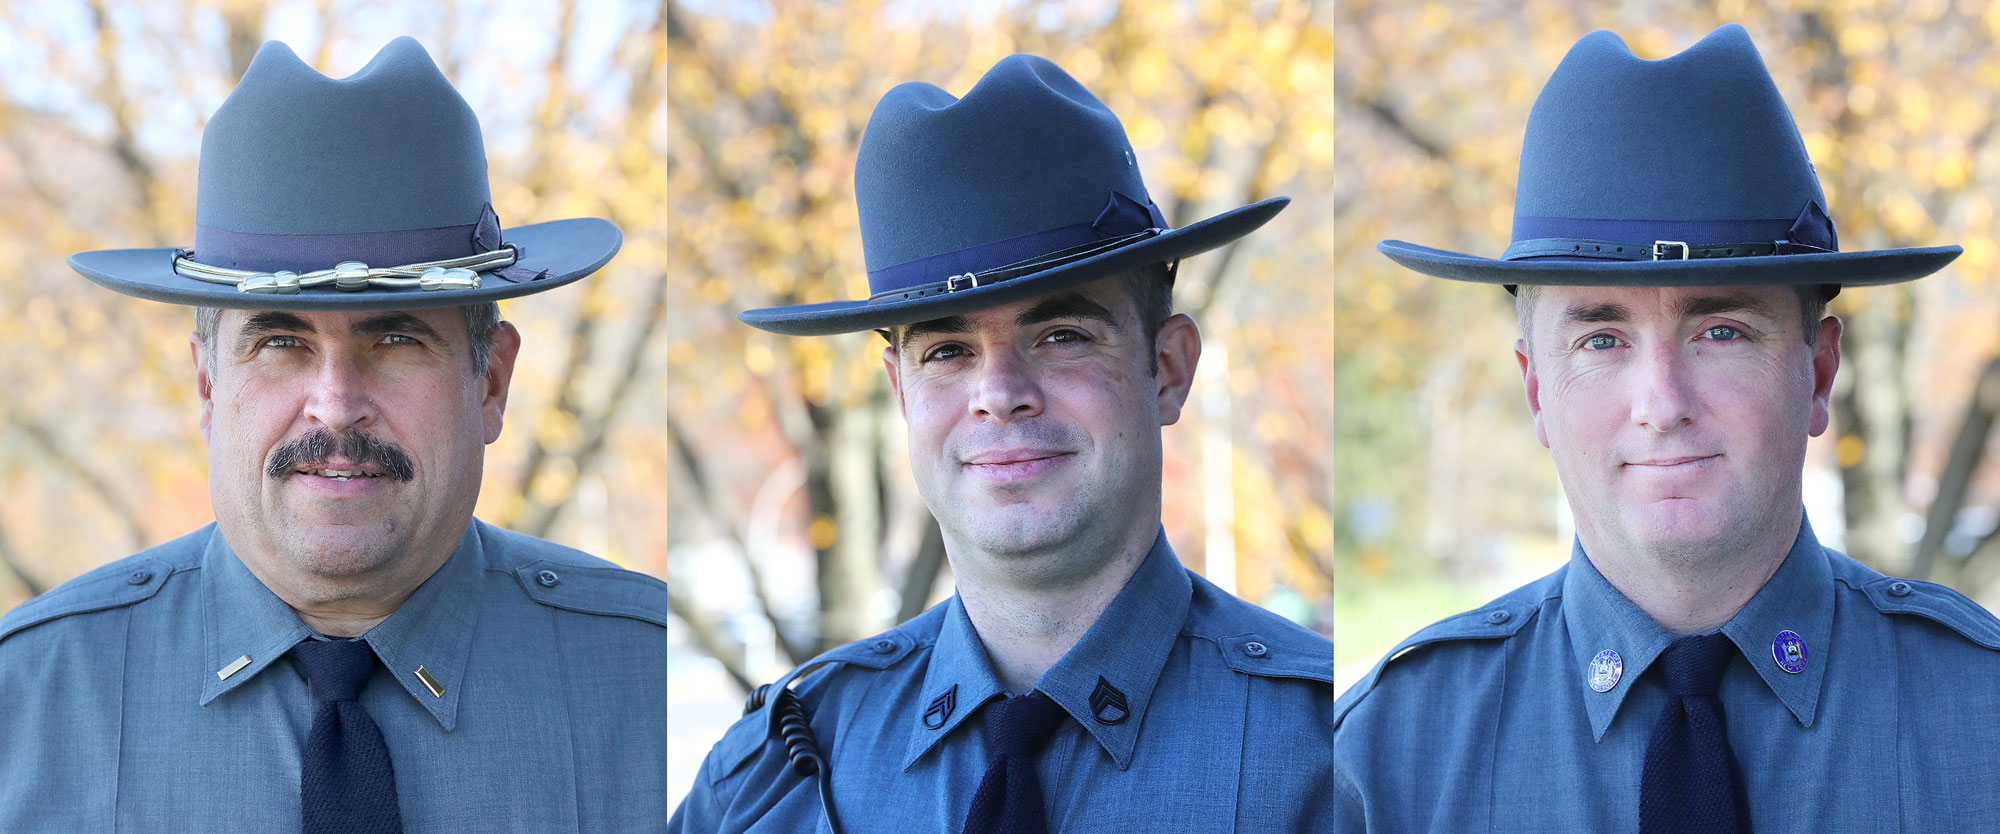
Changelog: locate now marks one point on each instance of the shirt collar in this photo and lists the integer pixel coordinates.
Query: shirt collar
(433, 628)
(1104, 682)
(1797, 598)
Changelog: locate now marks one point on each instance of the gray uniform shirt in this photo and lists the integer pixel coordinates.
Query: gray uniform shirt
(1489, 721)
(1189, 710)
(128, 705)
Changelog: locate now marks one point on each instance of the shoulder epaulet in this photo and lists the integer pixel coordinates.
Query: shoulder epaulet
(609, 591)
(572, 580)
(1938, 604)
(127, 581)
(760, 717)
(1270, 647)
(1496, 620)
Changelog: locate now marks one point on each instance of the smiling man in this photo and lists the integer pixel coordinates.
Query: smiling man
(1080, 680)
(346, 649)
(1702, 664)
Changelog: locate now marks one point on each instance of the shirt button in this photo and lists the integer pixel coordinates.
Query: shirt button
(140, 577)
(1255, 649)
(885, 646)
(1497, 617)
(548, 578)
(1899, 588)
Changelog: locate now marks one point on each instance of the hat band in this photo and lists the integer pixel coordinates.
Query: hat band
(1652, 240)
(1122, 220)
(438, 258)
(307, 252)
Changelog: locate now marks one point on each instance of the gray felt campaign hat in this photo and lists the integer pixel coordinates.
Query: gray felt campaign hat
(1025, 186)
(1686, 171)
(361, 193)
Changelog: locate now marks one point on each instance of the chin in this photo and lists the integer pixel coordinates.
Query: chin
(338, 550)
(1019, 528)
(1679, 524)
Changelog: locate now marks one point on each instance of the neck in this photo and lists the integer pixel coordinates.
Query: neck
(1695, 589)
(348, 606)
(1027, 625)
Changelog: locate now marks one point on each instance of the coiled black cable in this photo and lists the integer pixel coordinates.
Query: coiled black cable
(800, 746)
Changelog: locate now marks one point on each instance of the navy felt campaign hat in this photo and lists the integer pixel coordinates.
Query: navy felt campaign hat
(1025, 186)
(362, 193)
(1686, 171)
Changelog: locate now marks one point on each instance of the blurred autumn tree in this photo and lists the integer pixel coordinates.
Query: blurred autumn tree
(1439, 471)
(789, 467)
(101, 116)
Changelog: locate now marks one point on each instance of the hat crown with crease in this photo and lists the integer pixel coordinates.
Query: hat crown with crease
(937, 173)
(1616, 142)
(301, 173)
(1686, 171)
(1027, 185)
(389, 148)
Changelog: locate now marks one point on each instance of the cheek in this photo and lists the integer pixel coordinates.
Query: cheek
(930, 409)
(1582, 405)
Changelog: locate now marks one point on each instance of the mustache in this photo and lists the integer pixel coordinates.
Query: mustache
(359, 447)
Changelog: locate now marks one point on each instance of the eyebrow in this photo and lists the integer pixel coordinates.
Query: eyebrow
(385, 323)
(1069, 305)
(1687, 308)
(1709, 305)
(946, 325)
(1594, 314)
(269, 322)
(266, 323)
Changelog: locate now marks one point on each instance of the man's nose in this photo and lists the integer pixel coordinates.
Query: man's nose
(1663, 396)
(1004, 387)
(338, 397)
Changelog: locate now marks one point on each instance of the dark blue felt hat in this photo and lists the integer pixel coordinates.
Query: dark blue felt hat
(362, 193)
(1025, 186)
(1686, 171)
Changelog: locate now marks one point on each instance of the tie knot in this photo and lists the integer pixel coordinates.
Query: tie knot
(1693, 665)
(337, 669)
(1020, 725)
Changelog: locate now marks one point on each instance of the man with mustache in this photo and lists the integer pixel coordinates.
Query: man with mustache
(1702, 663)
(346, 648)
(1081, 680)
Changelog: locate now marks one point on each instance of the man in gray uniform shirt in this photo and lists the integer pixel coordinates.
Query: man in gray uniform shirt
(1702, 663)
(346, 648)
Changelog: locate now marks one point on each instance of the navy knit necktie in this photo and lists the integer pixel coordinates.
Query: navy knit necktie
(1009, 800)
(1689, 784)
(347, 785)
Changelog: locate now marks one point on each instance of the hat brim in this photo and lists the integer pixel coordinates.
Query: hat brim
(1886, 266)
(566, 249)
(851, 316)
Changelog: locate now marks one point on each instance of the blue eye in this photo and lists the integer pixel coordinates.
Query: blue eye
(1600, 342)
(282, 341)
(398, 339)
(1724, 333)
